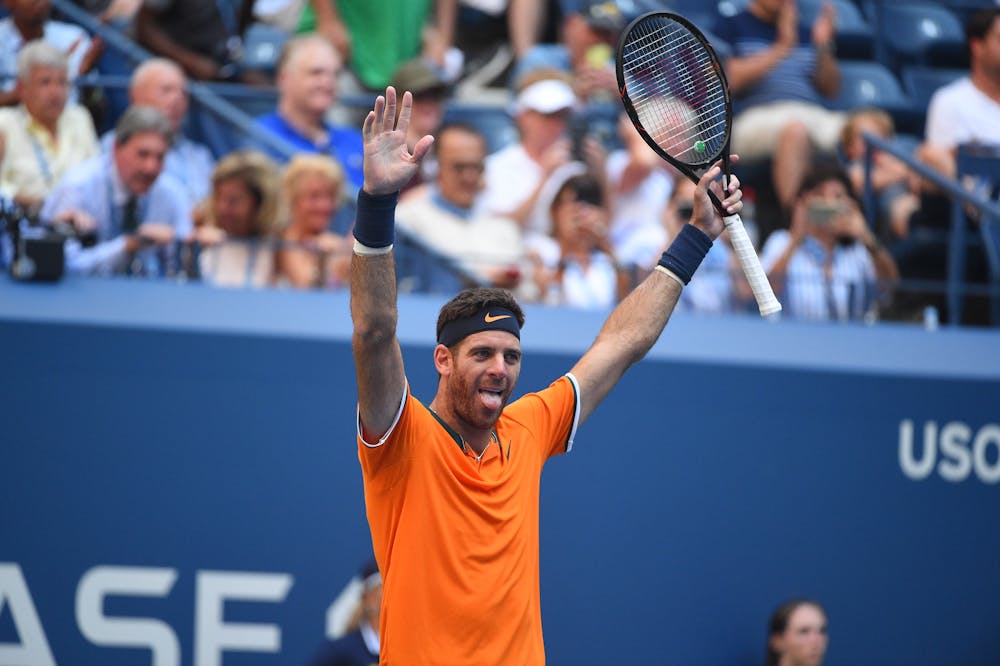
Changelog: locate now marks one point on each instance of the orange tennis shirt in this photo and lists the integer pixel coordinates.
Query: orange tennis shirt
(456, 540)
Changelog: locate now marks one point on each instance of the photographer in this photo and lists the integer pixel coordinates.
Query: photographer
(829, 265)
(138, 211)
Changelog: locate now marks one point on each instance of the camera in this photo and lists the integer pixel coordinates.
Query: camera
(822, 212)
(36, 250)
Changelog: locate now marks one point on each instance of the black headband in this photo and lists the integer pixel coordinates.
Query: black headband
(494, 318)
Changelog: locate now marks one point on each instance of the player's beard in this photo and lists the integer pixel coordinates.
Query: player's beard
(468, 403)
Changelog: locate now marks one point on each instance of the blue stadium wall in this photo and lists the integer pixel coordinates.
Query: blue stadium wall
(179, 482)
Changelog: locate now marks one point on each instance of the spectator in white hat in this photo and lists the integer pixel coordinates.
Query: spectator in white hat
(516, 175)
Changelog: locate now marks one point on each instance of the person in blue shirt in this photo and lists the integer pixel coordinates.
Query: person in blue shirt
(307, 89)
(162, 84)
(136, 210)
(780, 74)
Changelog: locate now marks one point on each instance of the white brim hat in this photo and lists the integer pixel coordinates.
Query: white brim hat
(547, 96)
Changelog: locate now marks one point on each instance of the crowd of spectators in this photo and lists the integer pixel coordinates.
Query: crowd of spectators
(572, 212)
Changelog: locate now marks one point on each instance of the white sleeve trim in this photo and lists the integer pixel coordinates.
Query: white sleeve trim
(399, 413)
(576, 412)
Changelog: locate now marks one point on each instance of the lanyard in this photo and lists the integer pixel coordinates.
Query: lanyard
(43, 161)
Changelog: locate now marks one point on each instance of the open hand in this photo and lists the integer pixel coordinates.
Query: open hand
(388, 163)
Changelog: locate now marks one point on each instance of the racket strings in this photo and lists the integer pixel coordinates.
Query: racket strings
(677, 92)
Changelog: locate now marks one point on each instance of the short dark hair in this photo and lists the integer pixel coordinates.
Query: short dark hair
(462, 128)
(979, 24)
(471, 301)
(822, 172)
(586, 188)
(779, 623)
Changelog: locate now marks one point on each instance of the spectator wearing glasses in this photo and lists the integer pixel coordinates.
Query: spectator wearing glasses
(445, 215)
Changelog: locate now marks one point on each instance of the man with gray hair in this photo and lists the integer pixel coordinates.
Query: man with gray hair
(161, 84)
(138, 211)
(307, 90)
(44, 136)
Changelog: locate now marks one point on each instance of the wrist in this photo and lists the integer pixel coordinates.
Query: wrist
(375, 222)
(685, 254)
(826, 48)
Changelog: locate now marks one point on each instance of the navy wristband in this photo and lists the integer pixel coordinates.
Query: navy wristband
(684, 255)
(375, 223)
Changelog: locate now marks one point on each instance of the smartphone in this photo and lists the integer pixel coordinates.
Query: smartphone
(822, 212)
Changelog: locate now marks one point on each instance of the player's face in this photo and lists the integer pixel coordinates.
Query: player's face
(804, 641)
(484, 369)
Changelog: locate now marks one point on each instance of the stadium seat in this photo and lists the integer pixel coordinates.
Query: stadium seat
(855, 35)
(869, 84)
(921, 82)
(262, 44)
(699, 12)
(921, 33)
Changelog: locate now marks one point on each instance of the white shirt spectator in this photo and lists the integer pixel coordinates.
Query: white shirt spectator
(961, 113)
(848, 292)
(69, 38)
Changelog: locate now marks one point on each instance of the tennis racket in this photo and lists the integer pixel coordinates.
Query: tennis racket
(675, 92)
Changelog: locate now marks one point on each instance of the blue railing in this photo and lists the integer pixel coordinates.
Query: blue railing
(961, 199)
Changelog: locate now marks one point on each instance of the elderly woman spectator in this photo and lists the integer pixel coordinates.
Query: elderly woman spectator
(312, 256)
(238, 222)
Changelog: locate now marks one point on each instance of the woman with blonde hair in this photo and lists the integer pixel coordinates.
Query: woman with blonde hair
(238, 222)
(312, 256)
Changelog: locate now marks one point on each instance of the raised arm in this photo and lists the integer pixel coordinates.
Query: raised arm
(639, 320)
(388, 165)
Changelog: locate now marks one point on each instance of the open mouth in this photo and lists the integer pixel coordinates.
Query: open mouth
(491, 398)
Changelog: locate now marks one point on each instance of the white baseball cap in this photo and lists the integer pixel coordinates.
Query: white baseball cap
(546, 96)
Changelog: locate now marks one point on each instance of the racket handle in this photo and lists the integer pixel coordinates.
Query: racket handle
(766, 301)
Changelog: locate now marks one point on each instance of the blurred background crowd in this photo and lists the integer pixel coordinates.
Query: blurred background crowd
(220, 141)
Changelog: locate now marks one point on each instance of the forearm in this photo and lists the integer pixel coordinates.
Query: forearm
(627, 335)
(445, 18)
(378, 360)
(745, 71)
(326, 13)
(157, 41)
(827, 75)
(523, 20)
(885, 265)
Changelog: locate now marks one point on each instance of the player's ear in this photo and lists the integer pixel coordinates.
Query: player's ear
(443, 359)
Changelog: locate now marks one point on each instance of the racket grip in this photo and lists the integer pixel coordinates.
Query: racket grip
(766, 300)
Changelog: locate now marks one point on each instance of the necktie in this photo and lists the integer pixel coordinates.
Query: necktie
(130, 216)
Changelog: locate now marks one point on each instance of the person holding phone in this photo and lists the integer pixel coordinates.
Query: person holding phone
(829, 264)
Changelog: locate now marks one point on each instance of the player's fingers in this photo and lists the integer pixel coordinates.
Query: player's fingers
(404, 112)
(379, 113)
(368, 127)
(422, 147)
(389, 119)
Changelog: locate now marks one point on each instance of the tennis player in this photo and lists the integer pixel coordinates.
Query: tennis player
(452, 486)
